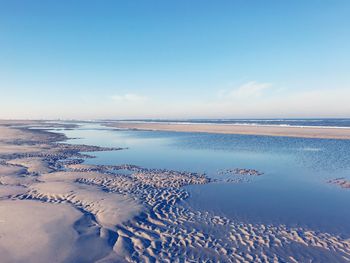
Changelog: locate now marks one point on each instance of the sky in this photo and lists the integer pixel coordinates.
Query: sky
(119, 59)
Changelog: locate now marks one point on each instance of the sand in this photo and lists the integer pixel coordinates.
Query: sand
(341, 182)
(36, 232)
(54, 208)
(303, 132)
(45, 215)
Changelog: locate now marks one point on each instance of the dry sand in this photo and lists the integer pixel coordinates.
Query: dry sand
(304, 132)
(53, 208)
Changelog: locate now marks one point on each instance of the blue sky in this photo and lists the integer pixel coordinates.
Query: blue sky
(174, 59)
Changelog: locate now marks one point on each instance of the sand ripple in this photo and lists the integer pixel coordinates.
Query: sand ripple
(169, 232)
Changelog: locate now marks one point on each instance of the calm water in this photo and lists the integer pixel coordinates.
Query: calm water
(293, 190)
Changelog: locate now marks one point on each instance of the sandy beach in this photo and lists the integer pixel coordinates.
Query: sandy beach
(303, 132)
(174, 131)
(44, 215)
(55, 208)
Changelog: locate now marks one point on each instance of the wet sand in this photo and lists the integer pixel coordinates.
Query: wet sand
(341, 182)
(303, 132)
(44, 218)
(55, 208)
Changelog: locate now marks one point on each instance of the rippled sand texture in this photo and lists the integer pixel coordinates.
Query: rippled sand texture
(53, 208)
(62, 219)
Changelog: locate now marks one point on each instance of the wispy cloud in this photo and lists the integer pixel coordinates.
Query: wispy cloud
(257, 100)
(129, 98)
(252, 89)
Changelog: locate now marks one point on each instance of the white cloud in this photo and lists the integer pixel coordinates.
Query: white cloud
(289, 103)
(129, 98)
(248, 90)
(250, 100)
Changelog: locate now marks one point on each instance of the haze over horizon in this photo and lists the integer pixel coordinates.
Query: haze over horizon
(174, 59)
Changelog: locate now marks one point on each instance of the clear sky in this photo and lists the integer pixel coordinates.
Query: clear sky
(174, 59)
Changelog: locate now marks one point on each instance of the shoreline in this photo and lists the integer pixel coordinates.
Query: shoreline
(48, 192)
(229, 124)
(40, 195)
(261, 130)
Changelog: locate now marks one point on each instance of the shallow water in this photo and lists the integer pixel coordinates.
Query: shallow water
(292, 191)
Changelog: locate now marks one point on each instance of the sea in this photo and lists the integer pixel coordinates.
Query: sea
(326, 123)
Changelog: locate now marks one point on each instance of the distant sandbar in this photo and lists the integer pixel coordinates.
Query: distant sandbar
(267, 130)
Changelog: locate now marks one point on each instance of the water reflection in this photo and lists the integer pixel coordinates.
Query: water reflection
(292, 191)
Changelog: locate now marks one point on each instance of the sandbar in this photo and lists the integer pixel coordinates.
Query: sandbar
(266, 130)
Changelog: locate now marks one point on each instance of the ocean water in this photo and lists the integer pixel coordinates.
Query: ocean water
(328, 122)
(293, 190)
